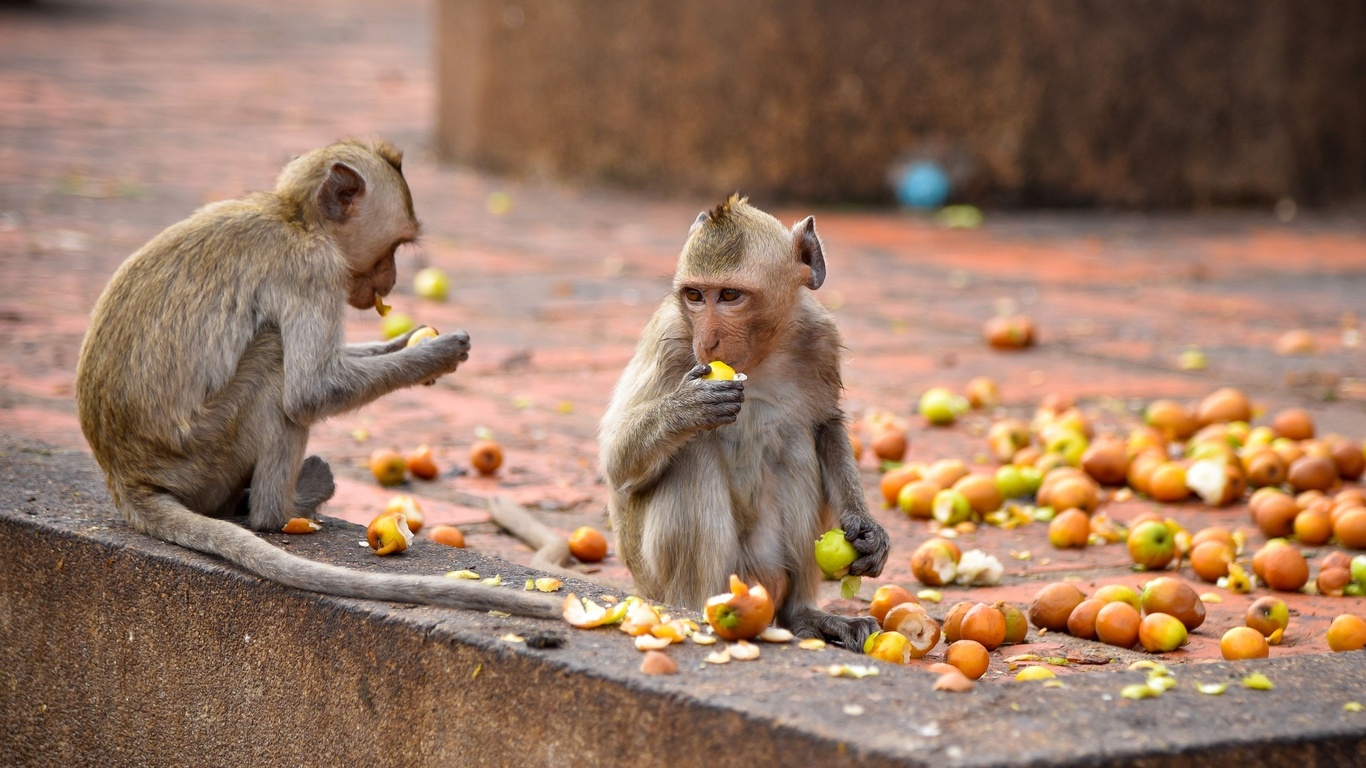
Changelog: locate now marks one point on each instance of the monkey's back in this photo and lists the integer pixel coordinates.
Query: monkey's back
(169, 331)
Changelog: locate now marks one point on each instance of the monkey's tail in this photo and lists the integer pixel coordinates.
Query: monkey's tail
(163, 517)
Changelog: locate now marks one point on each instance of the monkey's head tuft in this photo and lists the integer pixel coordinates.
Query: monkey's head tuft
(723, 212)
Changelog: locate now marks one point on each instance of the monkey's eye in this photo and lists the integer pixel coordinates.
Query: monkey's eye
(730, 294)
(692, 295)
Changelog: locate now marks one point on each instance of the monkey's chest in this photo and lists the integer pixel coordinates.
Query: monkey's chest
(769, 462)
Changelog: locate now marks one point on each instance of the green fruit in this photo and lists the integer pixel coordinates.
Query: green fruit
(951, 507)
(395, 324)
(942, 407)
(1069, 444)
(1010, 483)
(1359, 569)
(1033, 478)
(834, 554)
(431, 283)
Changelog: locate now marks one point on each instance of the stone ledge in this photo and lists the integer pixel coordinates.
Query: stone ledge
(118, 650)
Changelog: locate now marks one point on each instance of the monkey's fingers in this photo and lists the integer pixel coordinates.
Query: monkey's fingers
(848, 632)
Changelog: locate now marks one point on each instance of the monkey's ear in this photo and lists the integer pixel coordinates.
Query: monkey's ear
(809, 250)
(699, 221)
(338, 194)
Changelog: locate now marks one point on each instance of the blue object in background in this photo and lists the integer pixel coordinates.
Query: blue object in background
(922, 184)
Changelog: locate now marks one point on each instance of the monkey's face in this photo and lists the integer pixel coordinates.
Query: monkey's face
(377, 282)
(383, 222)
(727, 324)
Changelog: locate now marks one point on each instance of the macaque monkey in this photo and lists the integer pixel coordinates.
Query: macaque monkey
(217, 345)
(709, 478)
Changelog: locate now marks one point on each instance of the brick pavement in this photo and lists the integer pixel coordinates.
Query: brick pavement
(120, 119)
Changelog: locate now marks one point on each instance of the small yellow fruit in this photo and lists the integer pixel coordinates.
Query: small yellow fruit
(388, 534)
(719, 372)
(421, 335)
(388, 466)
(409, 508)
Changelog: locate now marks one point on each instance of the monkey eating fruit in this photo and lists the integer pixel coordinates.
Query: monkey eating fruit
(709, 477)
(218, 344)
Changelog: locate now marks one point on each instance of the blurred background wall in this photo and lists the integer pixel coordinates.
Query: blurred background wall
(1155, 104)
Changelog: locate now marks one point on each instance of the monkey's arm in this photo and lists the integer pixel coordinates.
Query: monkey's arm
(323, 379)
(644, 436)
(369, 348)
(844, 492)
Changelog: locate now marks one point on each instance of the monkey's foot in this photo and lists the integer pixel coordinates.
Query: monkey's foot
(849, 632)
(315, 486)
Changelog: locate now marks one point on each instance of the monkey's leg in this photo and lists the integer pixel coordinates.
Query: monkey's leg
(689, 545)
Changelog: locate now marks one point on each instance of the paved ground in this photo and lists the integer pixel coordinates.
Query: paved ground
(120, 118)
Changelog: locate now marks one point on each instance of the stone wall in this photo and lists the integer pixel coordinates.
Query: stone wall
(1160, 104)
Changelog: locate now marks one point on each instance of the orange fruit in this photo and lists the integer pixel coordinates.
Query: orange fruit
(587, 544)
(916, 499)
(388, 466)
(1171, 418)
(1224, 405)
(1053, 604)
(1312, 473)
(1243, 643)
(1313, 526)
(1117, 624)
(1347, 633)
(741, 613)
(1212, 533)
(421, 464)
(945, 472)
(889, 443)
(486, 456)
(1075, 492)
(1331, 581)
(893, 480)
(1293, 424)
(446, 534)
(885, 598)
(953, 620)
(981, 492)
(1265, 468)
(969, 657)
(1210, 558)
(1348, 457)
(1082, 621)
(1069, 529)
(1284, 568)
(1350, 528)
(1168, 482)
(1275, 515)
(1106, 461)
(985, 624)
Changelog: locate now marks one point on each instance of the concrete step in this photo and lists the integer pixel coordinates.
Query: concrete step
(117, 650)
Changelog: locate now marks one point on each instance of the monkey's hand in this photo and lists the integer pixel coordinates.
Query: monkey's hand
(869, 539)
(442, 354)
(706, 404)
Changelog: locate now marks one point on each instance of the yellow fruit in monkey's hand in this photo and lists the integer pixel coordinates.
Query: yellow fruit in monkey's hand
(834, 554)
(421, 335)
(720, 372)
